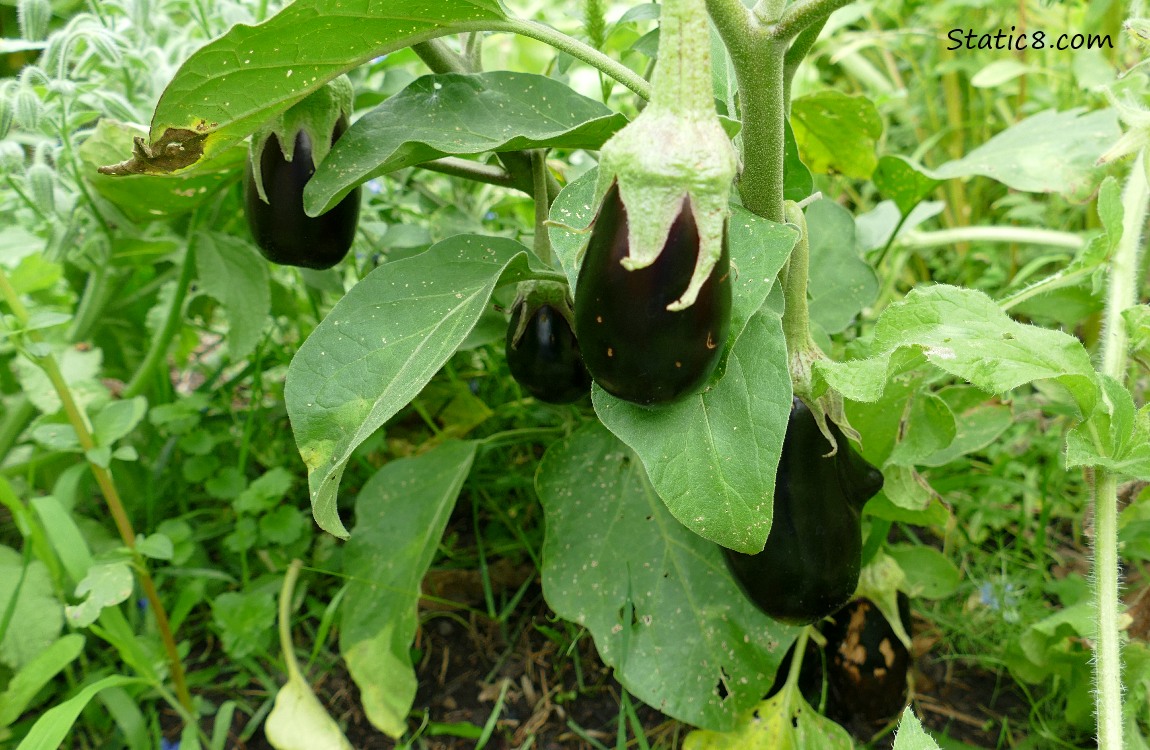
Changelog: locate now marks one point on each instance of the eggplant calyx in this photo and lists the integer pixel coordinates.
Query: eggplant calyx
(532, 295)
(322, 116)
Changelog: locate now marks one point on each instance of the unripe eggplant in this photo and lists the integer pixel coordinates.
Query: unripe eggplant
(543, 354)
(634, 347)
(811, 563)
(282, 231)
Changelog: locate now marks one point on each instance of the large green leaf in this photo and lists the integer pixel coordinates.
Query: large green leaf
(233, 84)
(382, 343)
(712, 456)
(963, 332)
(911, 735)
(26, 684)
(37, 615)
(841, 283)
(51, 729)
(235, 274)
(446, 114)
(1050, 152)
(400, 516)
(837, 133)
(658, 600)
(785, 721)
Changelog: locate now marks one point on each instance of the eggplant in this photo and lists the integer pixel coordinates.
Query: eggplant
(282, 231)
(544, 356)
(633, 346)
(811, 562)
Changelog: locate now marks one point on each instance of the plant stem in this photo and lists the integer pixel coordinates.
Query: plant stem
(473, 170)
(107, 485)
(1007, 235)
(440, 58)
(577, 49)
(158, 350)
(1122, 293)
(286, 644)
(804, 13)
(796, 53)
(542, 205)
(796, 312)
(682, 77)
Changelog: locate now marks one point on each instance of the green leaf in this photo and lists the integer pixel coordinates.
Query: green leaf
(837, 133)
(927, 429)
(439, 115)
(107, 584)
(234, 273)
(244, 620)
(236, 82)
(81, 371)
(658, 600)
(283, 525)
(911, 735)
(67, 541)
(147, 198)
(712, 456)
(929, 573)
(977, 424)
(382, 343)
(400, 516)
(798, 183)
(1050, 152)
(117, 419)
(36, 617)
(155, 546)
(1116, 436)
(51, 729)
(784, 721)
(24, 686)
(964, 333)
(298, 721)
(841, 283)
(264, 492)
(903, 181)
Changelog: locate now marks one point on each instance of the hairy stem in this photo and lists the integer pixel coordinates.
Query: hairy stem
(802, 14)
(79, 423)
(440, 58)
(682, 77)
(1122, 293)
(472, 170)
(542, 205)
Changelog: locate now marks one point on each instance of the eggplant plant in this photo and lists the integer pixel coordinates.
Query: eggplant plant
(772, 379)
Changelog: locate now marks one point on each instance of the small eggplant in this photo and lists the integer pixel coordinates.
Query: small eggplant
(282, 231)
(634, 347)
(811, 563)
(543, 354)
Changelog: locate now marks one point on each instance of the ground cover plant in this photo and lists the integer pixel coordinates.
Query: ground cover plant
(457, 373)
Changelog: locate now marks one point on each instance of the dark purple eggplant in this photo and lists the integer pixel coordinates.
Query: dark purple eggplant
(811, 563)
(282, 231)
(545, 359)
(634, 347)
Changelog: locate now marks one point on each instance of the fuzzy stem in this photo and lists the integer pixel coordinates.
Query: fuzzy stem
(796, 53)
(542, 205)
(682, 77)
(158, 350)
(286, 645)
(79, 423)
(804, 13)
(440, 58)
(575, 48)
(1122, 293)
(759, 69)
(472, 170)
(1006, 235)
(796, 312)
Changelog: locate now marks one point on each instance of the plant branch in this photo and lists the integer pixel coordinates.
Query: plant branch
(577, 49)
(802, 14)
(1009, 235)
(797, 52)
(441, 58)
(79, 423)
(542, 205)
(476, 171)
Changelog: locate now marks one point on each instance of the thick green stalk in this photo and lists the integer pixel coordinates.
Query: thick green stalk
(1122, 293)
(682, 77)
(542, 204)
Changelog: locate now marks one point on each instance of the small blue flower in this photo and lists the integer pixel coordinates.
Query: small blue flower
(166, 744)
(489, 216)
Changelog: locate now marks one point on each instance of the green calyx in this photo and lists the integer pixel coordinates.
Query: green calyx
(317, 115)
(535, 294)
(674, 150)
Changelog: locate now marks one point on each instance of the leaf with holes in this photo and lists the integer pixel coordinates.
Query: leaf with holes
(663, 610)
